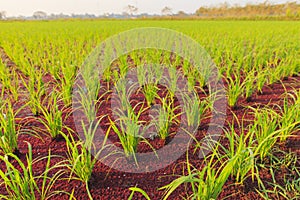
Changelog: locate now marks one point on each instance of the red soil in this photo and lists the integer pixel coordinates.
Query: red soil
(107, 183)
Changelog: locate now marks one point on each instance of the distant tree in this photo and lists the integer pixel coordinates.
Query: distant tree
(106, 14)
(290, 10)
(201, 11)
(124, 13)
(52, 16)
(39, 15)
(181, 14)
(130, 9)
(166, 11)
(2, 15)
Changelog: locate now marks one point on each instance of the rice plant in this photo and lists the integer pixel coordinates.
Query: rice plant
(185, 67)
(191, 81)
(149, 78)
(9, 131)
(234, 90)
(288, 188)
(290, 115)
(139, 190)
(194, 109)
(249, 85)
(21, 182)
(164, 117)
(9, 80)
(150, 92)
(241, 147)
(172, 81)
(129, 129)
(36, 88)
(52, 116)
(261, 80)
(88, 99)
(122, 95)
(67, 83)
(91, 84)
(274, 75)
(123, 66)
(206, 183)
(87, 105)
(80, 160)
(265, 128)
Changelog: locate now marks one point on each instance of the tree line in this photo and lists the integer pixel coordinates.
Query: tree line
(224, 10)
(289, 9)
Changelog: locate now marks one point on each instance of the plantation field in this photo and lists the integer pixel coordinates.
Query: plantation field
(72, 127)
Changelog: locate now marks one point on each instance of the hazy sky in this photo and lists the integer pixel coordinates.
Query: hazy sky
(28, 7)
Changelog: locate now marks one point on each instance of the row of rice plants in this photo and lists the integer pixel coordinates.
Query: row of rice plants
(243, 157)
(53, 122)
(233, 56)
(9, 82)
(248, 148)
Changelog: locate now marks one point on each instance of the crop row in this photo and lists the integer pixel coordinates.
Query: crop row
(246, 64)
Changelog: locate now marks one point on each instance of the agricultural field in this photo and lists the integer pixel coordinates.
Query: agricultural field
(67, 132)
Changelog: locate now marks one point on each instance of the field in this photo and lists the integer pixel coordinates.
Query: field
(67, 132)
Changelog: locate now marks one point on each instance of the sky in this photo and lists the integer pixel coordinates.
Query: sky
(99, 7)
